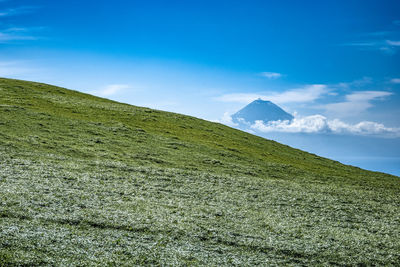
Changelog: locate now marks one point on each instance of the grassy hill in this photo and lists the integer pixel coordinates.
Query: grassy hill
(89, 181)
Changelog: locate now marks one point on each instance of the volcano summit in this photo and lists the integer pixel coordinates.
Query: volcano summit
(260, 110)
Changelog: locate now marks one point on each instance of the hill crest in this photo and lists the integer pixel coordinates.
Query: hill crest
(90, 181)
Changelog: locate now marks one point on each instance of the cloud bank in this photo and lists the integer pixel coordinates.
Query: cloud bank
(320, 124)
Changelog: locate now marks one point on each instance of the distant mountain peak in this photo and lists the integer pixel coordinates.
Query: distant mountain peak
(262, 110)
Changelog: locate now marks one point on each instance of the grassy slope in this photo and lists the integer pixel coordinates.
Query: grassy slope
(86, 180)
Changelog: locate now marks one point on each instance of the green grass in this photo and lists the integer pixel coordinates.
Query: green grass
(89, 181)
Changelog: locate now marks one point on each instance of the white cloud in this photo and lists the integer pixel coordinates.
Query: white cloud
(227, 120)
(306, 94)
(395, 80)
(362, 128)
(111, 89)
(271, 75)
(320, 124)
(355, 103)
(310, 124)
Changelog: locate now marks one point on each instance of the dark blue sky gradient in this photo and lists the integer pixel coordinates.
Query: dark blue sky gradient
(304, 38)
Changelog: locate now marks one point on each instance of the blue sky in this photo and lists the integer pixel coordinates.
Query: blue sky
(335, 64)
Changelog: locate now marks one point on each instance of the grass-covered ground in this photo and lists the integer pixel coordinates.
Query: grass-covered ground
(89, 181)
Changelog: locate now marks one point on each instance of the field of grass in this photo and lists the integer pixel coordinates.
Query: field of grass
(89, 181)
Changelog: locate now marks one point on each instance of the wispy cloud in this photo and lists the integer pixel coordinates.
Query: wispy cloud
(8, 37)
(17, 11)
(306, 94)
(395, 80)
(355, 103)
(393, 43)
(362, 44)
(23, 29)
(386, 46)
(271, 75)
(367, 95)
(320, 124)
(379, 33)
(384, 41)
(111, 89)
(356, 83)
(13, 33)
